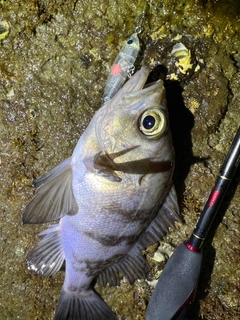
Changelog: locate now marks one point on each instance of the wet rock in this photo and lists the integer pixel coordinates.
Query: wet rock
(55, 58)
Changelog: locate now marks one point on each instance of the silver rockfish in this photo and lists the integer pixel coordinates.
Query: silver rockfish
(114, 197)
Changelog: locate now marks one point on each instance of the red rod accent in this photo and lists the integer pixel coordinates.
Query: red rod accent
(213, 198)
(191, 248)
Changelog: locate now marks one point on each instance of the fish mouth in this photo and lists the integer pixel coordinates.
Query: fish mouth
(136, 82)
(134, 97)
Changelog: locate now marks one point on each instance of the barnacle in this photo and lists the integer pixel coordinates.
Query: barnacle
(192, 104)
(4, 29)
(184, 57)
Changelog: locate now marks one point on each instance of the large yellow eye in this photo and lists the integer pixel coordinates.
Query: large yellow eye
(153, 123)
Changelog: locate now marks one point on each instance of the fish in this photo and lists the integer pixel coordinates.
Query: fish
(122, 67)
(114, 197)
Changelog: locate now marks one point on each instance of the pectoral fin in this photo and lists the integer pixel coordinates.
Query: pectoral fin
(54, 196)
(103, 165)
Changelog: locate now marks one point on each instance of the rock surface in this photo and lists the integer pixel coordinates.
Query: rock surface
(54, 60)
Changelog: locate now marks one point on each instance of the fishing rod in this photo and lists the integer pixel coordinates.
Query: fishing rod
(177, 284)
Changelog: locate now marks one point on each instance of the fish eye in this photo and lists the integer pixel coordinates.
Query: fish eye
(152, 123)
(149, 122)
(130, 41)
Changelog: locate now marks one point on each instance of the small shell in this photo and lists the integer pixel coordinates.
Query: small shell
(158, 257)
(179, 50)
(4, 29)
(184, 57)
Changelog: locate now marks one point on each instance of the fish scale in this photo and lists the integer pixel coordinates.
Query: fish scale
(114, 197)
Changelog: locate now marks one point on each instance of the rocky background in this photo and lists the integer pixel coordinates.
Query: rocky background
(55, 57)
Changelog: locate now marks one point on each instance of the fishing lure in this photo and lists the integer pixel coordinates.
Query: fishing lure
(122, 68)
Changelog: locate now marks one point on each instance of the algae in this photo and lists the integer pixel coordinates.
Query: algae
(54, 60)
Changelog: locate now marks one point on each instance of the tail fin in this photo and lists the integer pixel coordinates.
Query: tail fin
(82, 306)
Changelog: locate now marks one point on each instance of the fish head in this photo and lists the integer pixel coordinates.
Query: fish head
(134, 124)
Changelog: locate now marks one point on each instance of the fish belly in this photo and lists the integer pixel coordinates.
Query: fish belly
(89, 247)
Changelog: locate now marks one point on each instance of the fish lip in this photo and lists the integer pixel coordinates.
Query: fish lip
(142, 74)
(136, 82)
(141, 86)
(140, 79)
(152, 86)
(151, 90)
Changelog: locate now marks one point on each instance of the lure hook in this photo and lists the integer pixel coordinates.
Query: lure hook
(139, 23)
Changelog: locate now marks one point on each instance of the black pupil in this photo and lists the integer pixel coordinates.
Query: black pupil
(149, 122)
(130, 41)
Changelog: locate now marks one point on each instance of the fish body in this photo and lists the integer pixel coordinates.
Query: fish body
(122, 67)
(114, 197)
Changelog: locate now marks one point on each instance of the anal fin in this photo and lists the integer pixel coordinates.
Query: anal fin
(133, 266)
(48, 256)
